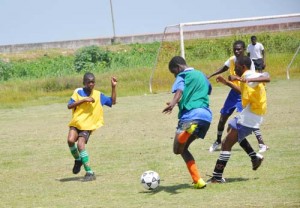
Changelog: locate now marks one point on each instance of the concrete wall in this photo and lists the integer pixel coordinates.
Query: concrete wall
(148, 38)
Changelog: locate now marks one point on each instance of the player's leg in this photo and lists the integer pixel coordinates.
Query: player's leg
(198, 132)
(230, 104)
(262, 146)
(256, 158)
(82, 141)
(72, 139)
(221, 125)
(183, 132)
(191, 164)
(227, 144)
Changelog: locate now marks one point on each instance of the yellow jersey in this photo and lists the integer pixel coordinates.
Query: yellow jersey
(88, 115)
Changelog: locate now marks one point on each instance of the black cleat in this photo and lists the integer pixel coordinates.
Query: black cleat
(77, 166)
(257, 161)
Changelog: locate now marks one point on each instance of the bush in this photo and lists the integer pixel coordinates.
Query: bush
(5, 71)
(91, 57)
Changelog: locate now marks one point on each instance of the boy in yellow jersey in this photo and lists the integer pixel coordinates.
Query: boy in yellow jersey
(233, 100)
(191, 93)
(87, 115)
(254, 103)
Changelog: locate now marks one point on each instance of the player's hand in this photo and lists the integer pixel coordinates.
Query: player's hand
(168, 109)
(243, 80)
(113, 81)
(89, 99)
(221, 79)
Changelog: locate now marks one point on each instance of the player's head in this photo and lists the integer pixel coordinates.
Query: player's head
(242, 64)
(239, 48)
(176, 65)
(253, 40)
(89, 81)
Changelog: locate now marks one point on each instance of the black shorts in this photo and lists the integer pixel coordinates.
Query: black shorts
(200, 131)
(259, 64)
(82, 133)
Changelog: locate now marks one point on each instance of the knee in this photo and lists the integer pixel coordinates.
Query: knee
(81, 144)
(176, 151)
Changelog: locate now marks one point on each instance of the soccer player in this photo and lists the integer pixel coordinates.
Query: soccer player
(254, 103)
(233, 100)
(87, 115)
(192, 90)
(256, 52)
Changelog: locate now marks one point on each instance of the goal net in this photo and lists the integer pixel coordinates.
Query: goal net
(181, 39)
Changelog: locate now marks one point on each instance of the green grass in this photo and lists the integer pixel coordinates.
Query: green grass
(37, 165)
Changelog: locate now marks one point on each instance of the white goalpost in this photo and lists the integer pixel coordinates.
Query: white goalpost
(289, 66)
(220, 28)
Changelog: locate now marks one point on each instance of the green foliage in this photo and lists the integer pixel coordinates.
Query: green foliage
(90, 58)
(135, 56)
(53, 73)
(43, 67)
(5, 71)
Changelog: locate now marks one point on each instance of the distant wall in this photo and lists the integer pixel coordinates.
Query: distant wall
(148, 38)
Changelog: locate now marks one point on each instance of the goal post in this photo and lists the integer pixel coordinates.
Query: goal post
(175, 37)
(290, 64)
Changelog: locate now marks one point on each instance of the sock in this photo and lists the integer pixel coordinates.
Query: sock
(85, 160)
(221, 164)
(258, 136)
(192, 167)
(219, 136)
(248, 149)
(183, 136)
(74, 152)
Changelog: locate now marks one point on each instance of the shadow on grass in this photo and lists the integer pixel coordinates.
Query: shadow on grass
(232, 180)
(174, 189)
(233, 150)
(77, 178)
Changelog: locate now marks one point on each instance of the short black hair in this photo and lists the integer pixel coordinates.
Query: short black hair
(175, 61)
(244, 60)
(253, 37)
(88, 75)
(239, 42)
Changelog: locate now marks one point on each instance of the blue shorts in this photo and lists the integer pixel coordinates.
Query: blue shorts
(200, 131)
(243, 131)
(232, 102)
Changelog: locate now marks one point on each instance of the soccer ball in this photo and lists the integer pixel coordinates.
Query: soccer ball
(150, 180)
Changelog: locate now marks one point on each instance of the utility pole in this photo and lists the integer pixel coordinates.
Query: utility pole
(113, 23)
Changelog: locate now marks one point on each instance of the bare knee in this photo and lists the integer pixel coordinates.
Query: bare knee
(81, 143)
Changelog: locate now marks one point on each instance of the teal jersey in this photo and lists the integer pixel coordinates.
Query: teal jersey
(194, 103)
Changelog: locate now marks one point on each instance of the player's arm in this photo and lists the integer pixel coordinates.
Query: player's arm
(79, 102)
(224, 81)
(113, 90)
(257, 79)
(174, 102)
(219, 71)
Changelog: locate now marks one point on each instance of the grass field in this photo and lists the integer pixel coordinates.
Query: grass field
(37, 165)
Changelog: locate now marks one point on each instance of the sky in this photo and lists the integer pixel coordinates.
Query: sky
(35, 21)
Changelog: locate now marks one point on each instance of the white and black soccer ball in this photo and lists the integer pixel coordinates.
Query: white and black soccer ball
(150, 180)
